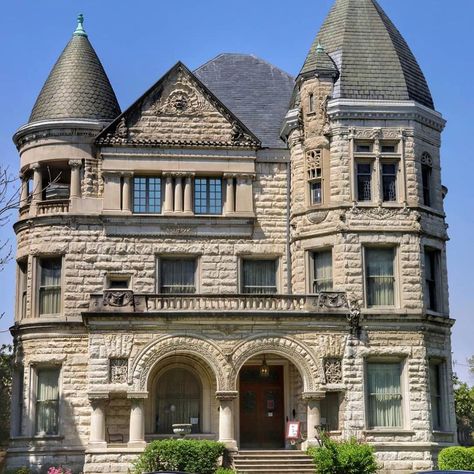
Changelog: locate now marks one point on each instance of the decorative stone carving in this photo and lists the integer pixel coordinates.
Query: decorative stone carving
(118, 370)
(353, 317)
(118, 345)
(332, 300)
(177, 230)
(118, 298)
(426, 159)
(333, 370)
(379, 213)
(122, 129)
(317, 217)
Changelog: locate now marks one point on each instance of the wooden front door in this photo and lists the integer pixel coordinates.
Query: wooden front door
(262, 424)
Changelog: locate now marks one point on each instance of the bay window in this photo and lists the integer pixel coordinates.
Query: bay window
(208, 196)
(47, 401)
(147, 195)
(380, 278)
(259, 276)
(177, 275)
(384, 395)
(321, 262)
(49, 285)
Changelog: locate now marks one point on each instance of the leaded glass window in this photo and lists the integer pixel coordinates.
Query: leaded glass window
(385, 396)
(47, 401)
(380, 276)
(259, 276)
(364, 182)
(146, 195)
(50, 285)
(208, 196)
(389, 182)
(177, 276)
(322, 271)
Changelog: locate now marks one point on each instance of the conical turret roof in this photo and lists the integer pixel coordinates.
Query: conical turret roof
(373, 59)
(77, 86)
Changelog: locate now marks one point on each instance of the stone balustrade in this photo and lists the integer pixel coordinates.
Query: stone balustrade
(56, 206)
(127, 301)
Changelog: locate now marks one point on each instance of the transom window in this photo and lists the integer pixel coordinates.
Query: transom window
(208, 196)
(380, 278)
(322, 271)
(389, 182)
(177, 275)
(384, 395)
(259, 276)
(363, 148)
(49, 285)
(47, 401)
(364, 181)
(146, 194)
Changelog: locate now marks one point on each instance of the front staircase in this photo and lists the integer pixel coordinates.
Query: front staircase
(273, 462)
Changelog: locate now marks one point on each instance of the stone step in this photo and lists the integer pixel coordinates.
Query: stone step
(273, 461)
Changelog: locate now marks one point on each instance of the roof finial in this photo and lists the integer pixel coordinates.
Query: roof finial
(80, 26)
(319, 48)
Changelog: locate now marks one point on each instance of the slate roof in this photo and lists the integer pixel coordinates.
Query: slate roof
(77, 87)
(255, 91)
(373, 59)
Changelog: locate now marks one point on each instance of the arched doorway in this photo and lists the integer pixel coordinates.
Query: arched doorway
(178, 400)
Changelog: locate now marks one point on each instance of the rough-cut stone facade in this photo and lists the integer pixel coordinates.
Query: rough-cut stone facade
(113, 346)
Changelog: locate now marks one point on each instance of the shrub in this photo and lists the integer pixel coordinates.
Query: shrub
(456, 458)
(180, 455)
(20, 470)
(349, 457)
(225, 470)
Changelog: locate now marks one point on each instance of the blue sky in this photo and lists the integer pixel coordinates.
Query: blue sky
(139, 41)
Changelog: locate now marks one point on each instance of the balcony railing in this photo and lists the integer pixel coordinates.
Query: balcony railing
(53, 206)
(127, 301)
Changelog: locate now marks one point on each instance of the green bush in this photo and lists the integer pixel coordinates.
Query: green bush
(456, 458)
(180, 455)
(225, 470)
(349, 457)
(20, 470)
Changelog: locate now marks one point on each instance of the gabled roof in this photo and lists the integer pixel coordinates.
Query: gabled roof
(77, 86)
(126, 129)
(256, 91)
(373, 59)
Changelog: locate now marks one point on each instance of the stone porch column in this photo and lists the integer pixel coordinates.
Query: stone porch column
(226, 418)
(127, 192)
(37, 190)
(168, 204)
(137, 419)
(313, 400)
(97, 430)
(178, 194)
(75, 178)
(188, 194)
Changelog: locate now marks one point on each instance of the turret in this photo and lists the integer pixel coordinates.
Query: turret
(57, 158)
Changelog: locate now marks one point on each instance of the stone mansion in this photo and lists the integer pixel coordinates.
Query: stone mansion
(238, 249)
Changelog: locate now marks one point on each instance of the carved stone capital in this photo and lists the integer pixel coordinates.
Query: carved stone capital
(313, 395)
(75, 163)
(227, 395)
(137, 395)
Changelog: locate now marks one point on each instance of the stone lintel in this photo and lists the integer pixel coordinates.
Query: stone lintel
(98, 395)
(313, 395)
(137, 395)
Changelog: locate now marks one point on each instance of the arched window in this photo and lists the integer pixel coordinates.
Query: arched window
(179, 396)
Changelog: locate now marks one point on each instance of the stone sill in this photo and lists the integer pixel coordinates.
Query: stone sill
(443, 433)
(392, 432)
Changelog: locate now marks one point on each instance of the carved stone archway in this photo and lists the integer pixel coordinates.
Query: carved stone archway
(179, 345)
(294, 351)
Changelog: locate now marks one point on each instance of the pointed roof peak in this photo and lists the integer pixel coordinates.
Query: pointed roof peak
(80, 26)
(373, 59)
(77, 86)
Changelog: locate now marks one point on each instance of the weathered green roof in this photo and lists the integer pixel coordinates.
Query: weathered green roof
(77, 86)
(373, 59)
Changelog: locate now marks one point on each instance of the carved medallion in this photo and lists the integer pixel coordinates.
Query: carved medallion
(118, 370)
(333, 370)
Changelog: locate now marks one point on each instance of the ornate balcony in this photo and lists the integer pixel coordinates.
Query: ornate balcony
(113, 301)
(53, 206)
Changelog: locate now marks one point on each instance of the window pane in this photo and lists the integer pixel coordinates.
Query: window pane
(426, 178)
(259, 276)
(330, 411)
(389, 182)
(208, 196)
(431, 258)
(385, 398)
(364, 182)
(435, 390)
(47, 401)
(380, 278)
(177, 276)
(50, 286)
(178, 401)
(322, 277)
(316, 192)
(146, 194)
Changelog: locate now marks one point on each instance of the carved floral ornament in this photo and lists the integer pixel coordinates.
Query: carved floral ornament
(333, 370)
(118, 370)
